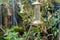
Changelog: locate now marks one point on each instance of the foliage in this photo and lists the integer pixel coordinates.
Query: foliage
(11, 35)
(50, 20)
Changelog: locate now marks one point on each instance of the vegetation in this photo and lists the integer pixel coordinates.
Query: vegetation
(23, 30)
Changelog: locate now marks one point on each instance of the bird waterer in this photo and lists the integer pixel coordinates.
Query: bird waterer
(37, 15)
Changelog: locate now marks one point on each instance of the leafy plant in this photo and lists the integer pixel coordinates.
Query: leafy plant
(11, 35)
(26, 12)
